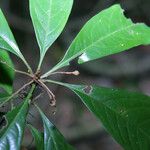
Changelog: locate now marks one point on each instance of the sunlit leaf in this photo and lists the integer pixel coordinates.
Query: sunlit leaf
(125, 115)
(53, 139)
(49, 18)
(107, 33)
(7, 41)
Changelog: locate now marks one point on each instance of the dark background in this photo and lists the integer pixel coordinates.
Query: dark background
(129, 70)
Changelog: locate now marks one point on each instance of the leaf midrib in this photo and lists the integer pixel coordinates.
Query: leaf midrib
(44, 48)
(138, 128)
(14, 120)
(51, 135)
(101, 39)
(12, 45)
(48, 22)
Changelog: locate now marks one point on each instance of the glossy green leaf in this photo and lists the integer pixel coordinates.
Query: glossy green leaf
(38, 137)
(53, 139)
(125, 115)
(107, 33)
(6, 73)
(11, 134)
(49, 18)
(7, 41)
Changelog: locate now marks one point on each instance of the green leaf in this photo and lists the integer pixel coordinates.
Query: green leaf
(53, 139)
(3, 97)
(49, 18)
(125, 115)
(38, 137)
(7, 41)
(107, 33)
(11, 134)
(6, 73)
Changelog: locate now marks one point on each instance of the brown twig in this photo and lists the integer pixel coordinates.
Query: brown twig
(37, 97)
(76, 73)
(17, 71)
(49, 92)
(16, 93)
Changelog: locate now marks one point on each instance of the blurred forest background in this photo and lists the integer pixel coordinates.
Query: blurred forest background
(129, 70)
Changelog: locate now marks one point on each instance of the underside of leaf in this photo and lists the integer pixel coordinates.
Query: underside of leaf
(49, 18)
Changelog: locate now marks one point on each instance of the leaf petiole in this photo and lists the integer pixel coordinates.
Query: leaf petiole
(76, 73)
(52, 81)
(17, 71)
(16, 93)
(49, 92)
(27, 65)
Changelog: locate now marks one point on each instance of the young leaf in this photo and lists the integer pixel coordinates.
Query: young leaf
(125, 115)
(38, 137)
(53, 139)
(11, 133)
(6, 73)
(7, 41)
(107, 33)
(49, 18)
